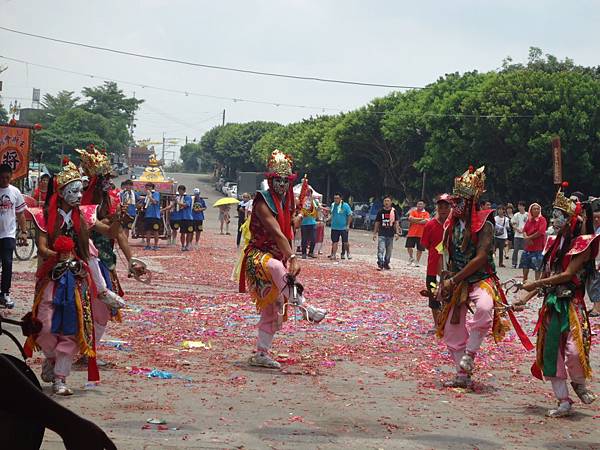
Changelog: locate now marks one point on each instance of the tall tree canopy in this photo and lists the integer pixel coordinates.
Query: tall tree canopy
(502, 119)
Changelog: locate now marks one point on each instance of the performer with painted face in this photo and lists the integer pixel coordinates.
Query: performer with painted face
(269, 265)
(96, 166)
(563, 329)
(64, 287)
(470, 279)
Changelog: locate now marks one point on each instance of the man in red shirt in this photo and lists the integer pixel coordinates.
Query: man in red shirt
(432, 236)
(534, 235)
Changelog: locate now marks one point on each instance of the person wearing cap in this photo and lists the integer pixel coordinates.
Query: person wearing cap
(198, 208)
(431, 239)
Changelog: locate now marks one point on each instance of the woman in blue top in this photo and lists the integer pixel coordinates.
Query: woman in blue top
(186, 230)
(151, 216)
(198, 207)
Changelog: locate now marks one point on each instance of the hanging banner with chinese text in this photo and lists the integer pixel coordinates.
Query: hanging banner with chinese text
(14, 149)
(557, 160)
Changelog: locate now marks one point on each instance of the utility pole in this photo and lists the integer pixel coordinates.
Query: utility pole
(163, 148)
(223, 118)
(423, 186)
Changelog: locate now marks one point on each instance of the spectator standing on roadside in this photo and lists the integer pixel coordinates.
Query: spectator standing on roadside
(418, 217)
(594, 288)
(12, 212)
(502, 224)
(534, 235)
(386, 227)
(224, 218)
(308, 226)
(242, 215)
(432, 237)
(341, 216)
(510, 212)
(518, 224)
(40, 192)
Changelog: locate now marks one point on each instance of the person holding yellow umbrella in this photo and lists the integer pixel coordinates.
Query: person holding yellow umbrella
(224, 205)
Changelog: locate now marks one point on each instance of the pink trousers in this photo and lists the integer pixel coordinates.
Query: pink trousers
(568, 364)
(56, 347)
(271, 319)
(467, 335)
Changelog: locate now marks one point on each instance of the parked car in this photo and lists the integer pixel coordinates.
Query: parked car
(233, 191)
(359, 216)
(226, 187)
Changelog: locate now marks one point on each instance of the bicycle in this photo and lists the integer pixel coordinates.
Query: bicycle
(25, 247)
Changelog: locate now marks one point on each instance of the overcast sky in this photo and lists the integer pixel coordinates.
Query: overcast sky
(393, 42)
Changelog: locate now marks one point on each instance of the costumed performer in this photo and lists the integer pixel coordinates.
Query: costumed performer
(563, 330)
(64, 288)
(269, 266)
(470, 279)
(96, 166)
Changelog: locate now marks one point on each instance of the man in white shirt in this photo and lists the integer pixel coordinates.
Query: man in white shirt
(12, 209)
(518, 223)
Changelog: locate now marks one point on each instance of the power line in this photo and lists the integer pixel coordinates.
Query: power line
(207, 66)
(175, 91)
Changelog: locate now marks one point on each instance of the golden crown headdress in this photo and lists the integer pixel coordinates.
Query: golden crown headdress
(470, 184)
(279, 164)
(68, 174)
(94, 162)
(564, 203)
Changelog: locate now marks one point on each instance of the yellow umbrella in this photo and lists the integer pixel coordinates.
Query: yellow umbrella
(226, 201)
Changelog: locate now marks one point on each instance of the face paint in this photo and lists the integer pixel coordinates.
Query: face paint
(458, 206)
(72, 193)
(281, 185)
(558, 218)
(106, 184)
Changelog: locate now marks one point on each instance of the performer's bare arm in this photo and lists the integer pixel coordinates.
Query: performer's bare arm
(110, 229)
(42, 244)
(484, 246)
(124, 245)
(574, 266)
(272, 227)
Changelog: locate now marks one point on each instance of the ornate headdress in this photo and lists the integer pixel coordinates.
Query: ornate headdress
(565, 204)
(94, 162)
(279, 165)
(68, 174)
(470, 184)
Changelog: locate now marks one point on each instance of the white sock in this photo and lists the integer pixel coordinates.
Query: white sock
(561, 391)
(62, 367)
(99, 332)
(457, 356)
(474, 342)
(264, 341)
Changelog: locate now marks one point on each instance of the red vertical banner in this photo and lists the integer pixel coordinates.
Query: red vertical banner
(15, 144)
(557, 160)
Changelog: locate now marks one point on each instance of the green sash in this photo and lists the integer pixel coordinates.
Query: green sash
(559, 323)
